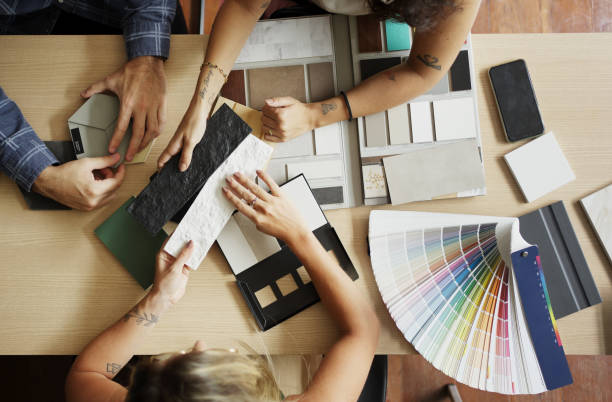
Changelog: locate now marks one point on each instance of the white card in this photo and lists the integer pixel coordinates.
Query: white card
(454, 119)
(301, 197)
(420, 115)
(299, 146)
(539, 167)
(316, 170)
(399, 125)
(327, 139)
(598, 207)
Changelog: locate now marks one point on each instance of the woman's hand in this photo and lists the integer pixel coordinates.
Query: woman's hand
(171, 274)
(285, 118)
(272, 213)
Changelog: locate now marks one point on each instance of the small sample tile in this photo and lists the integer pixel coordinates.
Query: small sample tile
(327, 139)
(368, 32)
(321, 81)
(270, 82)
(234, 87)
(420, 117)
(232, 239)
(460, 72)
(399, 125)
(441, 87)
(263, 245)
(299, 146)
(374, 183)
(399, 35)
(130, 243)
(376, 130)
(329, 195)
(166, 194)
(439, 170)
(299, 193)
(211, 210)
(598, 207)
(286, 284)
(303, 274)
(454, 119)
(316, 170)
(283, 39)
(539, 167)
(374, 66)
(265, 296)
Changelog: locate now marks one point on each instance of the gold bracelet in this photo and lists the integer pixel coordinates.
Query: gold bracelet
(216, 67)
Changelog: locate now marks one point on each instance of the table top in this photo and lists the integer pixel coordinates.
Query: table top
(60, 286)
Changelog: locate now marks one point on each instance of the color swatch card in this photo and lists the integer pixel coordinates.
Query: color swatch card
(469, 294)
(598, 207)
(539, 167)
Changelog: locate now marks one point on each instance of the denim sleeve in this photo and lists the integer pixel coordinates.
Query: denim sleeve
(146, 27)
(22, 154)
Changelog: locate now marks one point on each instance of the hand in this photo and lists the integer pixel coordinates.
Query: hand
(285, 118)
(171, 274)
(141, 87)
(272, 212)
(187, 136)
(83, 184)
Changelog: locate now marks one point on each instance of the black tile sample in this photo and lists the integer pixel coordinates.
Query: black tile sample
(374, 66)
(568, 278)
(64, 152)
(328, 195)
(460, 73)
(171, 189)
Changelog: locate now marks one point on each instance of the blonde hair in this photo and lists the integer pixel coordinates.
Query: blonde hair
(208, 376)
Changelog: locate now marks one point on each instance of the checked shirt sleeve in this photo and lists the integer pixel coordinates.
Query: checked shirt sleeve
(146, 27)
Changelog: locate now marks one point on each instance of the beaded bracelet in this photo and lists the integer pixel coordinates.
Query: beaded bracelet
(216, 67)
(348, 105)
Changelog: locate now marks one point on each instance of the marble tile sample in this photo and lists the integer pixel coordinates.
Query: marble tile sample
(321, 81)
(399, 125)
(171, 189)
(374, 183)
(598, 207)
(460, 72)
(539, 167)
(376, 130)
(316, 170)
(299, 146)
(234, 87)
(327, 139)
(368, 33)
(210, 211)
(270, 82)
(420, 117)
(454, 119)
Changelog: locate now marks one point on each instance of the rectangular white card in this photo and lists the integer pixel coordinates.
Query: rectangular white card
(399, 125)
(327, 139)
(454, 119)
(316, 170)
(422, 128)
(598, 207)
(298, 146)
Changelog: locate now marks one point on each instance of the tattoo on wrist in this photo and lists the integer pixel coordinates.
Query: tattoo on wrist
(327, 107)
(202, 92)
(113, 368)
(142, 318)
(430, 61)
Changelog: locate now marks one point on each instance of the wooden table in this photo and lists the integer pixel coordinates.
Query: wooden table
(60, 287)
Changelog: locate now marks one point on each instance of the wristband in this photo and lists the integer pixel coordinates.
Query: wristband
(348, 105)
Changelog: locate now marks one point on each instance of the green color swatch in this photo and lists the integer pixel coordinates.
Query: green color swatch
(398, 35)
(131, 244)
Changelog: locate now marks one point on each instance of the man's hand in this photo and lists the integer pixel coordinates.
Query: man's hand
(141, 87)
(83, 184)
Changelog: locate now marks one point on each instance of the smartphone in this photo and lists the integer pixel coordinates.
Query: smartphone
(516, 100)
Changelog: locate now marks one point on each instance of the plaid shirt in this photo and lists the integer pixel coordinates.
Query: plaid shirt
(146, 30)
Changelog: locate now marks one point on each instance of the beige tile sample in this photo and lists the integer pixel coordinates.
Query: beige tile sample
(399, 125)
(270, 82)
(321, 81)
(376, 130)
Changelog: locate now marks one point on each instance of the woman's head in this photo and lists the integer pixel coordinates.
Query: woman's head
(204, 376)
(420, 14)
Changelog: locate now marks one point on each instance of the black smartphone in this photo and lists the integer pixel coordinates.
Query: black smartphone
(516, 100)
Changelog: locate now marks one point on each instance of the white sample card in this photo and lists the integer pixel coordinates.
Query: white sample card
(235, 247)
(300, 195)
(298, 146)
(454, 119)
(327, 139)
(374, 183)
(598, 207)
(210, 210)
(316, 170)
(539, 167)
(399, 125)
(420, 116)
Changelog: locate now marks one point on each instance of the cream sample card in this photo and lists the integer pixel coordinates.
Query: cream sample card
(315, 170)
(440, 170)
(399, 125)
(598, 207)
(539, 167)
(454, 119)
(420, 115)
(374, 184)
(327, 139)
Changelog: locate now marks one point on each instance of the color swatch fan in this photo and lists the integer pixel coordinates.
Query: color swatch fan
(469, 294)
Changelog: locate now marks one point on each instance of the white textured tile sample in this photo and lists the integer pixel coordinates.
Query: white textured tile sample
(261, 244)
(376, 130)
(299, 146)
(420, 116)
(399, 125)
(327, 139)
(235, 247)
(301, 196)
(454, 119)
(316, 170)
(374, 183)
(598, 207)
(539, 167)
(210, 211)
(288, 39)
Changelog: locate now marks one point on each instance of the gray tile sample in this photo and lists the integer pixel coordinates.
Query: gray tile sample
(441, 87)
(329, 195)
(460, 72)
(568, 278)
(170, 189)
(376, 130)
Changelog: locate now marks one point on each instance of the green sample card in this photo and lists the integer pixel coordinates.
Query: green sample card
(131, 244)
(398, 35)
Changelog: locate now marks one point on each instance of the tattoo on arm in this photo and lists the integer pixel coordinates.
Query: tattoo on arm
(430, 61)
(328, 107)
(142, 318)
(113, 368)
(202, 92)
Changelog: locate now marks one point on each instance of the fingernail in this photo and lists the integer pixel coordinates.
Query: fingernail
(112, 150)
(238, 174)
(259, 171)
(224, 189)
(183, 167)
(229, 180)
